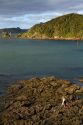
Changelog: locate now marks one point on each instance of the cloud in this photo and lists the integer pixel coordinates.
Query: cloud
(80, 6)
(25, 13)
(28, 20)
(19, 7)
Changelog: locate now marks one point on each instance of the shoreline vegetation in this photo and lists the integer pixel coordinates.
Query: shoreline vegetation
(38, 101)
(76, 39)
(66, 27)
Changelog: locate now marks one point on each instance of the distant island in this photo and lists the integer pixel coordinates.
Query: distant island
(68, 27)
(11, 32)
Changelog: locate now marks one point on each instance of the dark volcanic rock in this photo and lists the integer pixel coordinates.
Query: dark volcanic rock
(38, 102)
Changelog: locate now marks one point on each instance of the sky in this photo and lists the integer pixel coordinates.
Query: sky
(26, 13)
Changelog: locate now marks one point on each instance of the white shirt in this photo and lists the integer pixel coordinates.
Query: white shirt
(63, 100)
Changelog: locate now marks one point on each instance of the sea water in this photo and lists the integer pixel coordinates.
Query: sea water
(23, 59)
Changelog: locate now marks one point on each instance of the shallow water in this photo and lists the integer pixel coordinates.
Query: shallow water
(21, 59)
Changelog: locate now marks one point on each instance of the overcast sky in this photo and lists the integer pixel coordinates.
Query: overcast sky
(26, 13)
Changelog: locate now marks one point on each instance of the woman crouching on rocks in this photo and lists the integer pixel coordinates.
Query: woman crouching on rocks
(64, 102)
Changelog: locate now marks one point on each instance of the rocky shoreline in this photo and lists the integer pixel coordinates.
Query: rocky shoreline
(46, 38)
(38, 102)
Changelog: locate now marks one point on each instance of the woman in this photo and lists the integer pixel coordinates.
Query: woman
(64, 101)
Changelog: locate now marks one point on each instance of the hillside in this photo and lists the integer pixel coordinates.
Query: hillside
(67, 26)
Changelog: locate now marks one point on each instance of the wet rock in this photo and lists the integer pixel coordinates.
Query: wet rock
(21, 98)
(80, 90)
(72, 88)
(14, 88)
(38, 102)
(53, 84)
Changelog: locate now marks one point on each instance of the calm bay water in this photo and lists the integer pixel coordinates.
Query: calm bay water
(22, 59)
